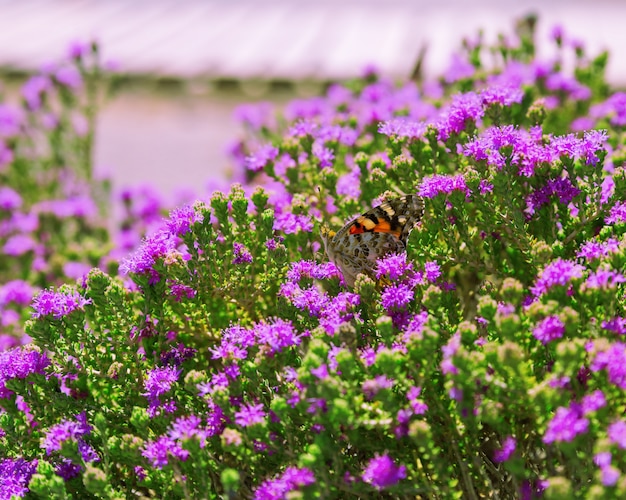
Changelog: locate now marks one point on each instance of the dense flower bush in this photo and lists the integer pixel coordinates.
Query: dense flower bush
(486, 361)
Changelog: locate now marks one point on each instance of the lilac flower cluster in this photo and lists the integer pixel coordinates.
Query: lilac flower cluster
(19, 363)
(381, 472)
(331, 312)
(58, 304)
(292, 479)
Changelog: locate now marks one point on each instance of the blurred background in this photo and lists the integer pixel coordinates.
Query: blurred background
(189, 63)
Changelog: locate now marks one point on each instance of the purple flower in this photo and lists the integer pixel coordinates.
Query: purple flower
(604, 278)
(394, 266)
(19, 244)
(616, 325)
(557, 273)
(373, 386)
(617, 433)
(182, 218)
(381, 472)
(188, 428)
(70, 77)
(277, 335)
(464, 108)
(549, 329)
(76, 206)
(592, 250)
(159, 452)
(11, 119)
(349, 184)
(617, 214)
(436, 184)
(324, 155)
(180, 292)
(460, 68)
(613, 360)
(508, 448)
(58, 304)
(18, 292)
(417, 405)
(593, 402)
(67, 430)
(432, 270)
(396, 296)
(562, 188)
(250, 414)
(290, 223)
(506, 96)
(15, 474)
(613, 108)
(33, 89)
(402, 127)
(20, 363)
(566, 424)
(9, 199)
(241, 255)
(153, 248)
(291, 479)
(261, 157)
(158, 382)
(256, 116)
(76, 270)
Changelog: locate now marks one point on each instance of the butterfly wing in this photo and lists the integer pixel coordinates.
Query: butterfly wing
(380, 231)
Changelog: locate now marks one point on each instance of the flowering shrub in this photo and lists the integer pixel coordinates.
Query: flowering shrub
(486, 361)
(52, 225)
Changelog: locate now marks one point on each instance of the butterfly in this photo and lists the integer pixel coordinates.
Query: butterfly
(383, 230)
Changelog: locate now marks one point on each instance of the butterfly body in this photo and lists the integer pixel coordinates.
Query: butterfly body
(383, 230)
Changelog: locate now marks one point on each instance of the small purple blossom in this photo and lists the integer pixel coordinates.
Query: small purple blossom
(617, 214)
(158, 452)
(324, 155)
(381, 472)
(261, 157)
(617, 433)
(15, 474)
(159, 381)
(615, 325)
(20, 363)
(250, 414)
(505, 96)
(58, 304)
(373, 386)
(549, 329)
(437, 184)
(592, 250)
(182, 218)
(557, 273)
(241, 255)
(394, 266)
(566, 424)
(153, 248)
(604, 278)
(65, 431)
(432, 271)
(277, 334)
(613, 360)
(292, 479)
(18, 292)
(396, 296)
(19, 244)
(70, 77)
(464, 108)
(9, 199)
(506, 450)
(593, 402)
